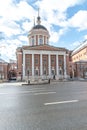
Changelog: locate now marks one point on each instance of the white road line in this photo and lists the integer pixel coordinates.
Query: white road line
(37, 92)
(61, 102)
(44, 93)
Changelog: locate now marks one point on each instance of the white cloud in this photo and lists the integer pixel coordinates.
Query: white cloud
(9, 27)
(56, 35)
(23, 38)
(57, 5)
(16, 11)
(79, 20)
(75, 44)
(85, 37)
(53, 12)
(9, 47)
(27, 25)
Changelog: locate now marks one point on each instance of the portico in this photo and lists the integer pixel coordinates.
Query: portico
(45, 66)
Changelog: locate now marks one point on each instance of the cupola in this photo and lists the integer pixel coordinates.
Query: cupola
(39, 34)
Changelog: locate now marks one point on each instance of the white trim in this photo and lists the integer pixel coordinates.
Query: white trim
(57, 65)
(32, 64)
(49, 65)
(41, 73)
(65, 66)
(34, 39)
(19, 52)
(44, 52)
(38, 39)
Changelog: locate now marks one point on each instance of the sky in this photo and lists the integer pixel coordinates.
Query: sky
(66, 21)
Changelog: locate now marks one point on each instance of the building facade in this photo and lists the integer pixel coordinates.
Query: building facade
(3, 70)
(12, 70)
(40, 60)
(8, 71)
(79, 61)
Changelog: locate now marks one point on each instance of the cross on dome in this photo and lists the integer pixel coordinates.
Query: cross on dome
(38, 18)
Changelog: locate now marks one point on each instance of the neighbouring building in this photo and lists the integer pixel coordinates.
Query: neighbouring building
(39, 59)
(12, 70)
(8, 71)
(79, 61)
(3, 70)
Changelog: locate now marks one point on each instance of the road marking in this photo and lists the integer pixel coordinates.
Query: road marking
(44, 93)
(37, 92)
(61, 102)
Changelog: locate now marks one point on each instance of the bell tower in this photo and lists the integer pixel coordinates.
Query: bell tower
(39, 34)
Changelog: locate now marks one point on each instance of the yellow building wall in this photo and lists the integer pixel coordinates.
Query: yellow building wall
(80, 55)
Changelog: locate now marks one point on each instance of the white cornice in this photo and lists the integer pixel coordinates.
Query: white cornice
(44, 52)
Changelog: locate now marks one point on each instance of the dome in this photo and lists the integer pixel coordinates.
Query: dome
(39, 27)
(38, 35)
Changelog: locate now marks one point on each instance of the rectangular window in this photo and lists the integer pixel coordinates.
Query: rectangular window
(60, 72)
(32, 41)
(52, 61)
(40, 41)
(53, 72)
(44, 72)
(1, 68)
(36, 72)
(36, 60)
(60, 61)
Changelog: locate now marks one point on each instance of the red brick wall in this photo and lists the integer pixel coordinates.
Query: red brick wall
(61, 62)
(4, 70)
(67, 64)
(19, 64)
(53, 63)
(36, 39)
(37, 63)
(28, 64)
(45, 63)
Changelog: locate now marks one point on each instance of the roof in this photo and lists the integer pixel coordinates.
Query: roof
(44, 48)
(2, 61)
(39, 27)
(81, 46)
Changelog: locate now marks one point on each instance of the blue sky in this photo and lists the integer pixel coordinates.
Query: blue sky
(66, 21)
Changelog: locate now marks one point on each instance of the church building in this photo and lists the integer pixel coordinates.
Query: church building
(39, 60)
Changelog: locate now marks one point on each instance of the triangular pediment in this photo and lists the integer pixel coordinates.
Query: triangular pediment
(44, 47)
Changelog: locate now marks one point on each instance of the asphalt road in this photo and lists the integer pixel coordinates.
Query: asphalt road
(58, 106)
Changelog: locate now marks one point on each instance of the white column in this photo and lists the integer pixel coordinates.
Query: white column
(46, 40)
(41, 72)
(34, 39)
(49, 65)
(65, 65)
(43, 40)
(30, 41)
(38, 39)
(57, 66)
(32, 64)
